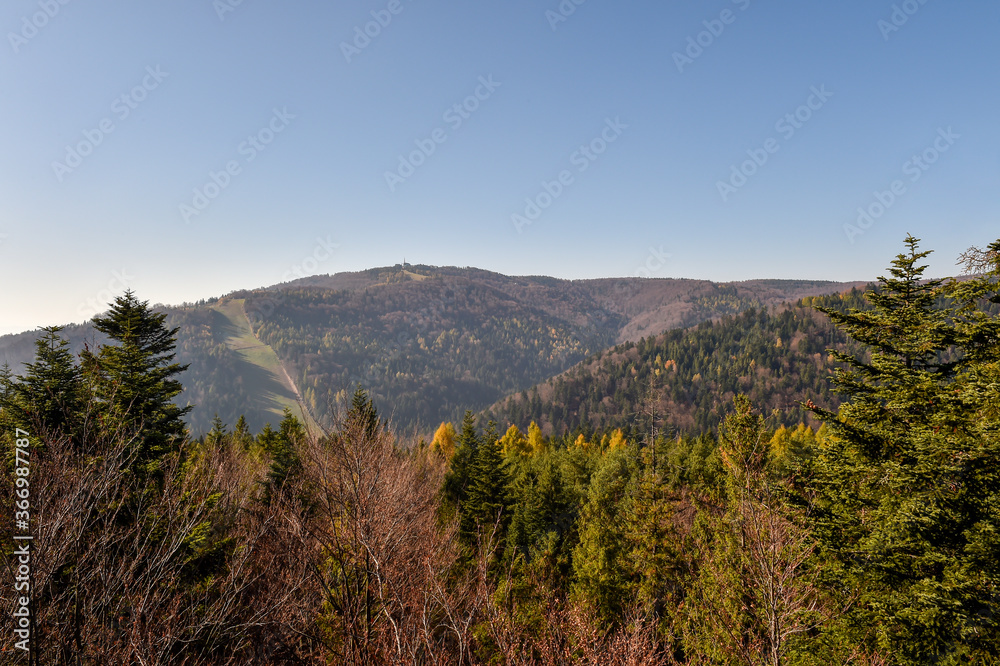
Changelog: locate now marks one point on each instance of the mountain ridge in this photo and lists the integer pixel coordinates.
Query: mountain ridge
(427, 341)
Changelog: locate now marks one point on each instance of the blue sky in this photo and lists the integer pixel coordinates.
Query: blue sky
(737, 137)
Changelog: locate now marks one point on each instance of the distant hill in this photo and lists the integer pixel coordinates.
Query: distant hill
(427, 341)
(777, 356)
(430, 342)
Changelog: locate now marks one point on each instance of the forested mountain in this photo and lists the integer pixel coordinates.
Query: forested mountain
(776, 356)
(428, 342)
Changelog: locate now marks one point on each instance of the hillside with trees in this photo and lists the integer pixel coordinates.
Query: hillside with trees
(430, 342)
(870, 539)
(778, 357)
(427, 342)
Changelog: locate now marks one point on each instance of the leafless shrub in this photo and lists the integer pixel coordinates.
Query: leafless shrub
(977, 261)
(377, 554)
(188, 571)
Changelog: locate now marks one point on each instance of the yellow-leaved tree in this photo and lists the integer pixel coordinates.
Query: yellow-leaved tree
(444, 440)
(513, 443)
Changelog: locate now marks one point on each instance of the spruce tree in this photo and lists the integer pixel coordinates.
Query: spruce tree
(363, 412)
(456, 480)
(651, 541)
(909, 481)
(50, 397)
(241, 433)
(601, 573)
(755, 597)
(6, 384)
(8, 408)
(134, 378)
(282, 447)
(486, 505)
(217, 435)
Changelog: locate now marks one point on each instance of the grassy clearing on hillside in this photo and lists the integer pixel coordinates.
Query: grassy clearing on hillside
(240, 339)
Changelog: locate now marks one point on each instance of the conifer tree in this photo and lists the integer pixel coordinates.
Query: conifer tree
(755, 596)
(50, 396)
(651, 542)
(909, 478)
(218, 433)
(486, 504)
(513, 443)
(536, 442)
(444, 440)
(540, 506)
(282, 447)
(8, 408)
(364, 412)
(6, 383)
(601, 574)
(134, 377)
(456, 480)
(241, 433)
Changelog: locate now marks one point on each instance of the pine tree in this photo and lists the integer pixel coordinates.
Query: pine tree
(456, 480)
(134, 378)
(217, 435)
(50, 397)
(363, 412)
(486, 505)
(909, 477)
(282, 446)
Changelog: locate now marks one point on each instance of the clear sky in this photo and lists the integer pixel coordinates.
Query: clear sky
(727, 140)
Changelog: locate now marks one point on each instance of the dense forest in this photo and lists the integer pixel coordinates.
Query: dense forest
(858, 530)
(778, 357)
(433, 348)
